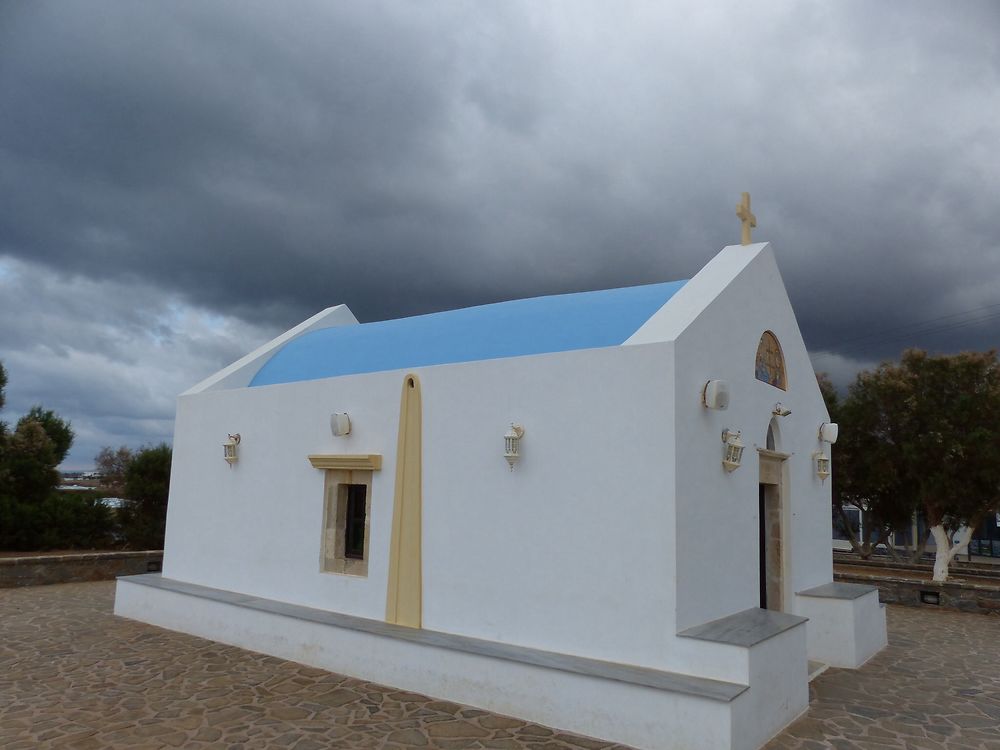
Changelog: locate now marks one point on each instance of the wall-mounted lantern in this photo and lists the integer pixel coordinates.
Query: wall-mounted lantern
(828, 433)
(715, 394)
(732, 455)
(512, 444)
(340, 424)
(822, 465)
(780, 411)
(229, 449)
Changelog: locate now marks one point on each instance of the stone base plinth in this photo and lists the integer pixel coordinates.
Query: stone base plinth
(964, 596)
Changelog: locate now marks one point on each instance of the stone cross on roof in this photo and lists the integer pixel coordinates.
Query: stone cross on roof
(747, 219)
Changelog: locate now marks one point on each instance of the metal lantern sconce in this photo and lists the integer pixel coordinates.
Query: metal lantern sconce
(229, 449)
(512, 444)
(822, 465)
(828, 433)
(733, 453)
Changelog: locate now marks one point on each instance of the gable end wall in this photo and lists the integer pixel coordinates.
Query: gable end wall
(717, 512)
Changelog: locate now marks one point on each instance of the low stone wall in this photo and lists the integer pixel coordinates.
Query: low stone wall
(966, 596)
(957, 567)
(73, 568)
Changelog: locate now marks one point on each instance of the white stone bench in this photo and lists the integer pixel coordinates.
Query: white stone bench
(660, 680)
(639, 706)
(847, 623)
(762, 649)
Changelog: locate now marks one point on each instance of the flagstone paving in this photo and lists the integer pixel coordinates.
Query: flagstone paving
(74, 676)
(937, 685)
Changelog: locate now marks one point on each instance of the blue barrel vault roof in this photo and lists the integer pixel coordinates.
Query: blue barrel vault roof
(539, 325)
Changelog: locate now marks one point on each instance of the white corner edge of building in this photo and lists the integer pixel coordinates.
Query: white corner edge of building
(678, 312)
(241, 372)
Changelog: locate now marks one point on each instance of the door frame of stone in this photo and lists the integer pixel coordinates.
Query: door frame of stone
(772, 489)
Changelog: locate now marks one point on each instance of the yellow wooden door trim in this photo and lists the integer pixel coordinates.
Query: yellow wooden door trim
(404, 596)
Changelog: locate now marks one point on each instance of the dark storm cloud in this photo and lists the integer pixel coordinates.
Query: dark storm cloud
(218, 156)
(108, 356)
(258, 162)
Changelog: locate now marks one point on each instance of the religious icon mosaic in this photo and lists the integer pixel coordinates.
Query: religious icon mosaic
(770, 366)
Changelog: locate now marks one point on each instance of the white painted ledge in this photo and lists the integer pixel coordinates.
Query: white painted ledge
(715, 690)
(837, 590)
(746, 628)
(644, 708)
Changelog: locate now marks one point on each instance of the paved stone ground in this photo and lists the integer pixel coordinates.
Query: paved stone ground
(937, 685)
(74, 676)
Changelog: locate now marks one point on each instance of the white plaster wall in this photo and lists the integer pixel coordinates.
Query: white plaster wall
(717, 540)
(831, 629)
(255, 527)
(779, 689)
(578, 549)
(871, 635)
(844, 632)
(571, 552)
(716, 661)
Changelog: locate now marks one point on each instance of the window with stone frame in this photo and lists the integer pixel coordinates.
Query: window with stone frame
(346, 522)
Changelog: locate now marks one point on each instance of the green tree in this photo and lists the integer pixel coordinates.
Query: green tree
(60, 431)
(113, 466)
(851, 464)
(921, 435)
(867, 474)
(27, 479)
(4, 473)
(33, 513)
(30, 463)
(147, 485)
(30, 454)
(830, 396)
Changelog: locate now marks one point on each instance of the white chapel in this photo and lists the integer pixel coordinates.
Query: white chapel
(607, 512)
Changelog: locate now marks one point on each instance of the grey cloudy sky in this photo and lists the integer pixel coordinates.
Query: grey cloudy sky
(181, 181)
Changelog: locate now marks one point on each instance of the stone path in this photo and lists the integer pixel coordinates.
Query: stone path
(937, 685)
(74, 676)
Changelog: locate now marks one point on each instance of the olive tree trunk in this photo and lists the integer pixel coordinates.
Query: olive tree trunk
(946, 551)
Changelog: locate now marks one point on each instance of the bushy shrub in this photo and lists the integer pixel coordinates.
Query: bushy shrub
(81, 521)
(33, 514)
(62, 520)
(147, 485)
(21, 524)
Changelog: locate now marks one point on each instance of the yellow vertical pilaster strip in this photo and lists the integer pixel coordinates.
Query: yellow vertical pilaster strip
(404, 597)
